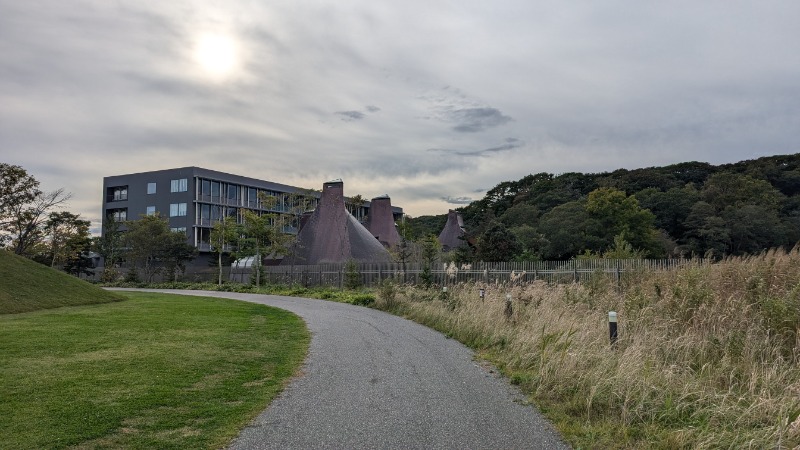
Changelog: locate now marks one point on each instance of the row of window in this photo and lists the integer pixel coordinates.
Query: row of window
(175, 210)
(218, 192)
(120, 193)
(232, 194)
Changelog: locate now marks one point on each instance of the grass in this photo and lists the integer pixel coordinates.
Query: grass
(29, 286)
(360, 296)
(155, 371)
(708, 355)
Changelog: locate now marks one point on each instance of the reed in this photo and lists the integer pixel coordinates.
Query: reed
(707, 354)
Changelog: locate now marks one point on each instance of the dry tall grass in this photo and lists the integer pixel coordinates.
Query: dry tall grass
(707, 357)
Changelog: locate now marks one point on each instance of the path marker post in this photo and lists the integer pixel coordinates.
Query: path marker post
(612, 327)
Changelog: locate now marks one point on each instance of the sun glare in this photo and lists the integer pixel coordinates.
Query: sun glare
(216, 54)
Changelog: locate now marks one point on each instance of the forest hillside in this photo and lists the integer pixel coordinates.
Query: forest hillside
(680, 210)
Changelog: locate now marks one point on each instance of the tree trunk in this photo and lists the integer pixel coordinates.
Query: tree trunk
(219, 265)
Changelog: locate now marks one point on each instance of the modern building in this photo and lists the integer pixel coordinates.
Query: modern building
(193, 199)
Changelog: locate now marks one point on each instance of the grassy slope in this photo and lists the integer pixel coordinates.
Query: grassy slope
(29, 286)
(156, 371)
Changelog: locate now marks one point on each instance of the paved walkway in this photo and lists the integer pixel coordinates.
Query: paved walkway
(374, 381)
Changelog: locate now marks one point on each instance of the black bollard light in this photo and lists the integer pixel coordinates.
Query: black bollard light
(481, 293)
(612, 327)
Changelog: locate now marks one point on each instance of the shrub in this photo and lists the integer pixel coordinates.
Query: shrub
(387, 294)
(352, 277)
(362, 299)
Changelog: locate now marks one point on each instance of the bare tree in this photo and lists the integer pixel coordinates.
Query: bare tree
(27, 219)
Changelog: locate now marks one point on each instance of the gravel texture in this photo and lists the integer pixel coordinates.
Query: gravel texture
(374, 381)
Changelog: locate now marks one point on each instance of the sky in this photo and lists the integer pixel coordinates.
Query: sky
(432, 102)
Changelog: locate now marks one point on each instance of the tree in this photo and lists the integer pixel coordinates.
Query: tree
(616, 213)
(354, 204)
(152, 246)
(26, 225)
(17, 188)
(296, 204)
(223, 233)
(707, 233)
(424, 225)
(24, 208)
(431, 249)
(64, 231)
(497, 244)
(77, 261)
(566, 229)
(531, 241)
(521, 214)
(110, 246)
(257, 233)
(725, 189)
(402, 253)
(176, 253)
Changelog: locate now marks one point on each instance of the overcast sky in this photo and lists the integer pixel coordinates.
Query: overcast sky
(432, 102)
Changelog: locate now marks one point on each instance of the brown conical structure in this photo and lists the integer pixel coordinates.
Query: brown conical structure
(453, 230)
(304, 220)
(333, 235)
(380, 221)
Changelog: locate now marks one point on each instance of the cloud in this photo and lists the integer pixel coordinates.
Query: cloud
(457, 200)
(90, 89)
(349, 116)
(510, 144)
(473, 120)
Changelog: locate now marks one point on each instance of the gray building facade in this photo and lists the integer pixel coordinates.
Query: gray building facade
(192, 199)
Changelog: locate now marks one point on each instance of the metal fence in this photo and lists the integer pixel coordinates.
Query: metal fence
(449, 273)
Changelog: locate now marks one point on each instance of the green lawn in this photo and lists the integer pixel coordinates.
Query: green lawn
(155, 371)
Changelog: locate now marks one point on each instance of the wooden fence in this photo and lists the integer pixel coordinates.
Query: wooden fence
(445, 274)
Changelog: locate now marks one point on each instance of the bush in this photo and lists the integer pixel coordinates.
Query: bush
(352, 277)
(362, 299)
(387, 293)
(132, 276)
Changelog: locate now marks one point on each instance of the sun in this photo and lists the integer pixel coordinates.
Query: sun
(216, 54)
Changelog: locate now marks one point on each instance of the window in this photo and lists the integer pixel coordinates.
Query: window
(216, 213)
(205, 214)
(215, 191)
(117, 194)
(151, 188)
(118, 215)
(151, 210)
(178, 229)
(252, 197)
(233, 194)
(177, 209)
(181, 185)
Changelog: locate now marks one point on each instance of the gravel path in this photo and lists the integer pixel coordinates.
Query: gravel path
(373, 380)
